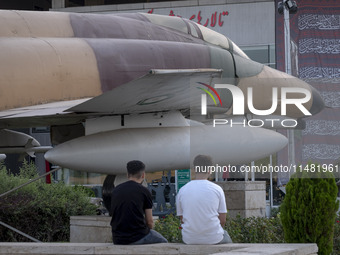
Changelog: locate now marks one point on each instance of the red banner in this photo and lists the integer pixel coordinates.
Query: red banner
(315, 51)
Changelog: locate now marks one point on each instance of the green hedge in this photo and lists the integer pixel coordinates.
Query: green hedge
(242, 230)
(40, 210)
(170, 227)
(255, 230)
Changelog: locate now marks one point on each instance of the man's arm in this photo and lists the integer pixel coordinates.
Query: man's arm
(222, 208)
(222, 217)
(148, 218)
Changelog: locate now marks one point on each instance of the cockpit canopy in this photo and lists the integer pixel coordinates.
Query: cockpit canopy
(196, 30)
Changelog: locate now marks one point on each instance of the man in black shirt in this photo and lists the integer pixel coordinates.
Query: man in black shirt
(131, 208)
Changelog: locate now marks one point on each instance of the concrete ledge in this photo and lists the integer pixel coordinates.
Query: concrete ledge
(90, 229)
(177, 249)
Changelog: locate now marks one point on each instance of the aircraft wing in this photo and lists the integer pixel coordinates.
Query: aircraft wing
(40, 115)
(160, 90)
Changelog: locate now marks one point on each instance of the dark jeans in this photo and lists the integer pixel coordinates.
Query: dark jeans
(152, 237)
(226, 238)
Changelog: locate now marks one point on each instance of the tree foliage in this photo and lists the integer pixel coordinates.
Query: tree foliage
(40, 210)
(309, 209)
(170, 227)
(241, 230)
(255, 229)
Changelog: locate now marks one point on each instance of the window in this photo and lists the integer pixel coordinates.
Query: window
(264, 54)
(166, 21)
(193, 30)
(213, 37)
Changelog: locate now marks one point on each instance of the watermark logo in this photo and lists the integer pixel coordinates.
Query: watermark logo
(204, 97)
(239, 100)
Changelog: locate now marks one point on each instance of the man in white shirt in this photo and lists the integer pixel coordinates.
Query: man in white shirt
(202, 208)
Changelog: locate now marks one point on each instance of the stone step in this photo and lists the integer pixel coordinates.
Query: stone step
(153, 249)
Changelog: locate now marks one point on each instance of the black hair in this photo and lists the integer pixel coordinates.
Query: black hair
(135, 168)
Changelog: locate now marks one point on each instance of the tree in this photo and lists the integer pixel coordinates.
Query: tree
(40, 210)
(309, 208)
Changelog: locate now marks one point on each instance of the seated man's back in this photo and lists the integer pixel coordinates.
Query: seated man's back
(129, 202)
(131, 210)
(200, 205)
(202, 208)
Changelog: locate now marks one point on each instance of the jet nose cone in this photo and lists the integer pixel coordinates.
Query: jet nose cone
(47, 156)
(52, 156)
(318, 105)
(62, 154)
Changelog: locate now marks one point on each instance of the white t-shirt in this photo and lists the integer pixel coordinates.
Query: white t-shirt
(200, 202)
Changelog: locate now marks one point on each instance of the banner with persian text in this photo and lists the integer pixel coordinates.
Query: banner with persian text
(315, 52)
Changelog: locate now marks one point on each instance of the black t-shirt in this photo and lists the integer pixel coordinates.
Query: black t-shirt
(128, 203)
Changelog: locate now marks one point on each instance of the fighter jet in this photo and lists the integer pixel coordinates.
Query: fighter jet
(120, 87)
